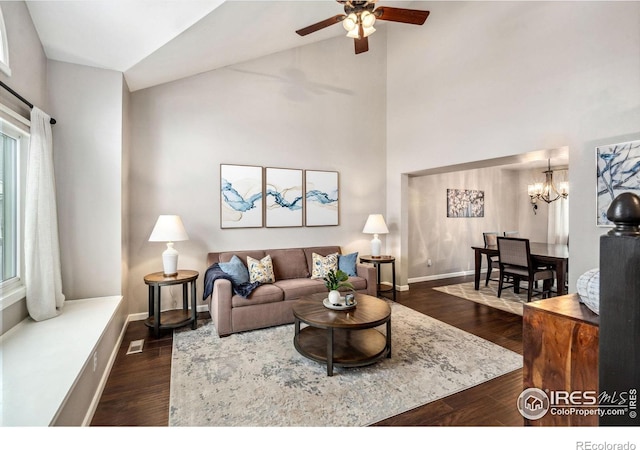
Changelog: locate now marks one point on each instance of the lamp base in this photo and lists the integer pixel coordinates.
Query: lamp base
(376, 244)
(170, 261)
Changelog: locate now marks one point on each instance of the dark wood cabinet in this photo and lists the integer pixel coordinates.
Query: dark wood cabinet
(560, 351)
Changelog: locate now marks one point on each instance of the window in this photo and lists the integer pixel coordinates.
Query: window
(12, 176)
(8, 202)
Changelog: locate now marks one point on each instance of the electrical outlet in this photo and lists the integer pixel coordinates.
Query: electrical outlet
(95, 361)
(428, 263)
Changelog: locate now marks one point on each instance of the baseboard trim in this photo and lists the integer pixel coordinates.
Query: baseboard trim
(444, 275)
(399, 287)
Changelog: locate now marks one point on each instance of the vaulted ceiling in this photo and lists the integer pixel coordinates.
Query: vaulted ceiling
(157, 41)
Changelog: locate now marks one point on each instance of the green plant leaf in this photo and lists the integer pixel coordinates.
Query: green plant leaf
(335, 280)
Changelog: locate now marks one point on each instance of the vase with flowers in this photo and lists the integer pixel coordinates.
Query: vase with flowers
(334, 281)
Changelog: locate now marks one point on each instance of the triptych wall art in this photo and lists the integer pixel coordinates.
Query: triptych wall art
(618, 171)
(252, 196)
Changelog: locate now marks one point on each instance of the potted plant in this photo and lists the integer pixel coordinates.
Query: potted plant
(334, 281)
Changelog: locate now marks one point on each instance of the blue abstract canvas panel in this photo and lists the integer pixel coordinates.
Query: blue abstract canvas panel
(241, 199)
(321, 198)
(618, 171)
(284, 197)
(465, 203)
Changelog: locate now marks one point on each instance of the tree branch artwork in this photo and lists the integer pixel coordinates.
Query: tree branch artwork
(618, 171)
(465, 203)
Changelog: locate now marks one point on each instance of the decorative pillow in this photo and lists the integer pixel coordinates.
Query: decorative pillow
(260, 270)
(323, 264)
(236, 270)
(347, 263)
(589, 289)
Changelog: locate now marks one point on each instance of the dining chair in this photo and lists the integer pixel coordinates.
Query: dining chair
(512, 234)
(491, 238)
(514, 256)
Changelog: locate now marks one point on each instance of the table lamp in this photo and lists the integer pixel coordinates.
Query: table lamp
(169, 229)
(375, 225)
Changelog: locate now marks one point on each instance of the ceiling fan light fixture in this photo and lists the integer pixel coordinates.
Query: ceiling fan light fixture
(367, 19)
(368, 31)
(350, 23)
(353, 33)
(360, 16)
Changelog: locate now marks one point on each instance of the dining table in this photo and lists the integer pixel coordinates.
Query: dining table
(552, 255)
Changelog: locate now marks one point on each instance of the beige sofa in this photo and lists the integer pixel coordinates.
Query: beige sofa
(270, 304)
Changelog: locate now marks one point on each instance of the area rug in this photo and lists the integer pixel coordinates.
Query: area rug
(488, 295)
(258, 379)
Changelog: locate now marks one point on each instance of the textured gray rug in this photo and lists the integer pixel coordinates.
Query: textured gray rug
(257, 378)
(488, 295)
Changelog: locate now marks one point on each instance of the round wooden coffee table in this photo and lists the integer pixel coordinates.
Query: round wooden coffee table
(342, 338)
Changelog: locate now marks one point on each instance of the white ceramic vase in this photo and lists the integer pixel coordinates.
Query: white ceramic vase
(334, 297)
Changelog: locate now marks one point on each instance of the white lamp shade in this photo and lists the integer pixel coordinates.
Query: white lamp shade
(375, 225)
(168, 228)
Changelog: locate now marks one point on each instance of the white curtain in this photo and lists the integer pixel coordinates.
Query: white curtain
(558, 226)
(558, 221)
(43, 279)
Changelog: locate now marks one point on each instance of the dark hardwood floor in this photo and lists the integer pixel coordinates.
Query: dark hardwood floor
(137, 391)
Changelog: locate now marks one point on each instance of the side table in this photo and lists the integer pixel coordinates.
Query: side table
(377, 261)
(177, 318)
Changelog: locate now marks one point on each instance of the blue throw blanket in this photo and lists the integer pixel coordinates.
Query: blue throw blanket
(214, 272)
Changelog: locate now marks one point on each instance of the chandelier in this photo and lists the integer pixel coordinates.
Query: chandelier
(547, 191)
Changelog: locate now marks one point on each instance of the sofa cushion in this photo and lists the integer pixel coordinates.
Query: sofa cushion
(347, 263)
(289, 263)
(260, 270)
(266, 293)
(299, 287)
(257, 254)
(322, 265)
(359, 283)
(236, 270)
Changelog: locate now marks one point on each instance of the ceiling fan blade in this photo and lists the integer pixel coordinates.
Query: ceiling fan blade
(413, 16)
(320, 25)
(362, 45)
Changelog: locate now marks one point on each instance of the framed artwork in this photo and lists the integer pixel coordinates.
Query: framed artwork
(283, 197)
(618, 171)
(241, 199)
(465, 203)
(321, 198)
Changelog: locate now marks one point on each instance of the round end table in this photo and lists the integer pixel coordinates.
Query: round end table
(177, 318)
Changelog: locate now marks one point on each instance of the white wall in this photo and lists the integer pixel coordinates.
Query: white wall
(88, 154)
(446, 241)
(26, 58)
(488, 79)
(315, 107)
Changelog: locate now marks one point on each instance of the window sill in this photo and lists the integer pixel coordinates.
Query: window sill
(12, 294)
(41, 374)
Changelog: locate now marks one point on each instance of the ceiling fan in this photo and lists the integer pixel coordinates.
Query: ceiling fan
(359, 17)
